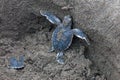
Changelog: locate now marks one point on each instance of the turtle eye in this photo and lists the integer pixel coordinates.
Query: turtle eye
(67, 19)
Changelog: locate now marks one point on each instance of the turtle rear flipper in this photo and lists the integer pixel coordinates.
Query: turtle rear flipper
(51, 49)
(52, 18)
(59, 58)
(79, 33)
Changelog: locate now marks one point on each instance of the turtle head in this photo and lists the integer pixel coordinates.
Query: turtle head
(67, 21)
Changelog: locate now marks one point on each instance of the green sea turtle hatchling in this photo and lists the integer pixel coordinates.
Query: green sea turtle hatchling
(63, 34)
(16, 64)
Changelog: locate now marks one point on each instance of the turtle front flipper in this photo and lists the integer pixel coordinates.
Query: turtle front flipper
(79, 33)
(59, 57)
(52, 18)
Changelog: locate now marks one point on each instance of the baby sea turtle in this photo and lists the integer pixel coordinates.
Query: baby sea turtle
(63, 34)
(16, 64)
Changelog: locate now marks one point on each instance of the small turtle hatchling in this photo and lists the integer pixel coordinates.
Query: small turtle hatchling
(16, 64)
(63, 34)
